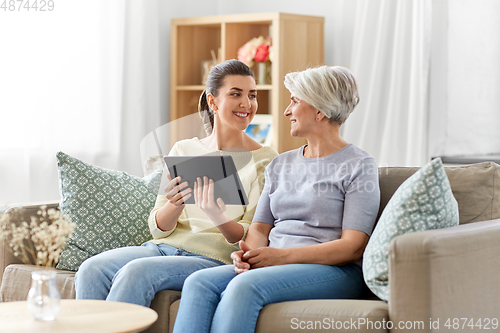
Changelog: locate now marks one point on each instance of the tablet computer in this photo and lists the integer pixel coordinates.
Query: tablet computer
(221, 169)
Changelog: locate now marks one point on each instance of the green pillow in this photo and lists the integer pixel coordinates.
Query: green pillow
(422, 202)
(110, 208)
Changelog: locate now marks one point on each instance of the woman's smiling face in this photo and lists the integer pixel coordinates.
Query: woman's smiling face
(236, 102)
(302, 117)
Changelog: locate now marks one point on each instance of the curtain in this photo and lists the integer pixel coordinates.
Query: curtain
(467, 101)
(390, 57)
(82, 79)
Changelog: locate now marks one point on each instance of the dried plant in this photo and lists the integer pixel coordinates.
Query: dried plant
(39, 241)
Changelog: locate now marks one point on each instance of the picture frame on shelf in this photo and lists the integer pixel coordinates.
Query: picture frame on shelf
(260, 129)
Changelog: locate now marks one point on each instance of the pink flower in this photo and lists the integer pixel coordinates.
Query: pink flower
(256, 49)
(246, 53)
(262, 54)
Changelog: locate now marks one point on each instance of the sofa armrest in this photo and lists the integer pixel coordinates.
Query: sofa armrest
(6, 256)
(445, 273)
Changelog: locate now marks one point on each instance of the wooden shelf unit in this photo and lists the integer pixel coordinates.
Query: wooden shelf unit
(298, 43)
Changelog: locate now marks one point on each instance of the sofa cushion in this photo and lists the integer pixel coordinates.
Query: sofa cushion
(110, 208)
(424, 201)
(323, 315)
(476, 188)
(162, 305)
(339, 315)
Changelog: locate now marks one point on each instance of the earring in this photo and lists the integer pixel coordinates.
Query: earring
(317, 118)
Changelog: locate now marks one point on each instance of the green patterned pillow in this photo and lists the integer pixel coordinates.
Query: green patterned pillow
(110, 208)
(423, 202)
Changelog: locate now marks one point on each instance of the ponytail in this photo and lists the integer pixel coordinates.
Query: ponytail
(206, 113)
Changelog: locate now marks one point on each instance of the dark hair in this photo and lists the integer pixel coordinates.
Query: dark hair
(215, 80)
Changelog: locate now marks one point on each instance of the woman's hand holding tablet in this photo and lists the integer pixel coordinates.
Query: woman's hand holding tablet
(177, 193)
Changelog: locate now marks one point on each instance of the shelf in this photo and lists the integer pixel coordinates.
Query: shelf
(190, 88)
(298, 43)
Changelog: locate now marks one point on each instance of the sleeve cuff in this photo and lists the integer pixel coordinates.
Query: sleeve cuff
(157, 232)
(245, 231)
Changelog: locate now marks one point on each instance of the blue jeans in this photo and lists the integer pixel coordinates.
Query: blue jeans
(135, 274)
(219, 300)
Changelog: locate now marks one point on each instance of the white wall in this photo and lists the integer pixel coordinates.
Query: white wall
(474, 77)
(466, 105)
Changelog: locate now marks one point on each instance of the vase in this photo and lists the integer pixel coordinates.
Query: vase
(264, 71)
(43, 297)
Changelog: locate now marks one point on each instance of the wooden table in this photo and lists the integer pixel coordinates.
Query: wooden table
(78, 316)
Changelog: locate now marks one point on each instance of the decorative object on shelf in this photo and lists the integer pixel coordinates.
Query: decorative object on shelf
(261, 129)
(44, 298)
(259, 50)
(39, 241)
(207, 65)
(264, 73)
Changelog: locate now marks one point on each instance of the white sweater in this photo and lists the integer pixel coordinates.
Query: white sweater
(194, 231)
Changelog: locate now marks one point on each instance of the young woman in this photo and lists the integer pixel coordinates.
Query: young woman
(187, 238)
(312, 222)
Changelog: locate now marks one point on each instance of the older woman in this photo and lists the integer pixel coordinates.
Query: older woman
(312, 222)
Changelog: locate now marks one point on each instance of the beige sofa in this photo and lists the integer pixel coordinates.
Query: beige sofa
(437, 277)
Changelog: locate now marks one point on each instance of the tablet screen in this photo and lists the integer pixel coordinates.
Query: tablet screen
(221, 169)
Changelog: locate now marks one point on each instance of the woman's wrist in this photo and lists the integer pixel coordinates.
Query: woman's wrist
(230, 229)
(219, 219)
(288, 256)
(166, 217)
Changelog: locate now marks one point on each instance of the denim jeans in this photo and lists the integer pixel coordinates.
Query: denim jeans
(135, 274)
(219, 300)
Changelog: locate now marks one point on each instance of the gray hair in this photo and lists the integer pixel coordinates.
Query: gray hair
(331, 90)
